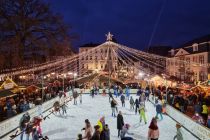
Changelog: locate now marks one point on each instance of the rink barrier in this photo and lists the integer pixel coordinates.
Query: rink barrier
(201, 132)
(87, 91)
(197, 130)
(11, 124)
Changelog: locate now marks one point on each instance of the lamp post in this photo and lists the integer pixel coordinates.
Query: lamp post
(64, 76)
(75, 75)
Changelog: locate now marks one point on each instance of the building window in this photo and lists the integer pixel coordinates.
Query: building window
(83, 66)
(86, 57)
(188, 61)
(101, 50)
(101, 66)
(168, 63)
(201, 59)
(195, 59)
(195, 47)
(90, 57)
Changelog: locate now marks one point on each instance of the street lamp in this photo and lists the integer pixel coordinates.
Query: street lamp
(75, 75)
(64, 76)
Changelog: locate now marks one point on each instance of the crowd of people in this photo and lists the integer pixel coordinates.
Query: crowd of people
(23, 101)
(198, 103)
(101, 130)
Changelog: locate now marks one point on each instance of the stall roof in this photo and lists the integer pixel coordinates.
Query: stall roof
(6, 93)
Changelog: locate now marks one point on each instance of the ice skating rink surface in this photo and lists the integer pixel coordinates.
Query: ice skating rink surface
(68, 127)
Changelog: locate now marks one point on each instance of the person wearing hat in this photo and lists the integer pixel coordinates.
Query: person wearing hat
(88, 130)
(125, 131)
(105, 134)
(101, 123)
(79, 137)
(178, 133)
(96, 134)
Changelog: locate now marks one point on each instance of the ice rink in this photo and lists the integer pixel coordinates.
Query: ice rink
(67, 127)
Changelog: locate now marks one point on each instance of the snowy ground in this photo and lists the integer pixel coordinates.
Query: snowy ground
(67, 128)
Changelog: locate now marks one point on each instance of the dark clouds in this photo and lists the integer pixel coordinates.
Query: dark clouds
(132, 21)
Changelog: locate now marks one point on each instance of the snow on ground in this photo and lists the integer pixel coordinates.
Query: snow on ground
(67, 128)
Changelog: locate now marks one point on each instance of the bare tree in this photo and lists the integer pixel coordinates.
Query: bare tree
(29, 25)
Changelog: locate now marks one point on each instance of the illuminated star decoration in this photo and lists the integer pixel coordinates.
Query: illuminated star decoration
(109, 36)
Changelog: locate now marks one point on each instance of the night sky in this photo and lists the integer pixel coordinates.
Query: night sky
(135, 23)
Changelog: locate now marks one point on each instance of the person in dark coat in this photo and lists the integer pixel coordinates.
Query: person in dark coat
(159, 111)
(122, 98)
(96, 134)
(136, 106)
(105, 134)
(113, 106)
(120, 122)
(198, 108)
(110, 96)
(75, 95)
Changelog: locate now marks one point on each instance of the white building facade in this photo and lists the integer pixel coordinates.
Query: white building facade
(190, 63)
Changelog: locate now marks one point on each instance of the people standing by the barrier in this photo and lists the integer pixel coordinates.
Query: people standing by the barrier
(208, 121)
(204, 112)
(178, 132)
(142, 111)
(122, 98)
(159, 111)
(197, 118)
(113, 107)
(120, 122)
(136, 106)
(88, 130)
(131, 103)
(198, 108)
(153, 132)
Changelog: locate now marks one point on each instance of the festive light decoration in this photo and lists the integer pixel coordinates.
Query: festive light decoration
(117, 57)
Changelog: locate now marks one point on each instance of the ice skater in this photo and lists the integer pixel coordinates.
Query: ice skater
(110, 96)
(159, 111)
(136, 105)
(142, 113)
(75, 95)
(63, 108)
(125, 131)
(122, 98)
(178, 132)
(132, 103)
(113, 107)
(120, 122)
(127, 92)
(80, 98)
(88, 130)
